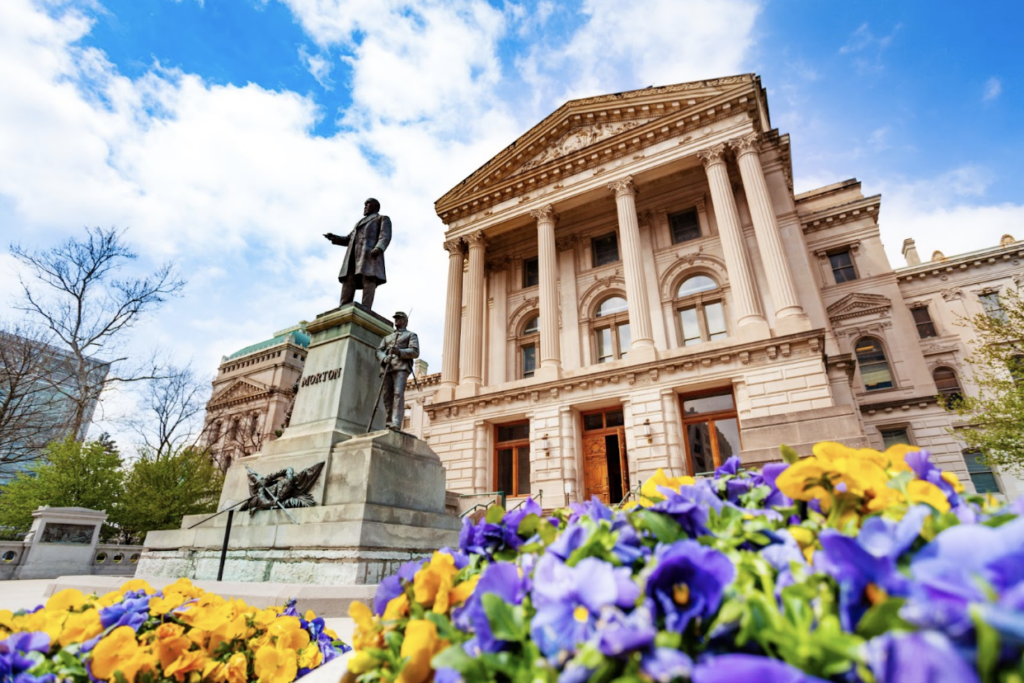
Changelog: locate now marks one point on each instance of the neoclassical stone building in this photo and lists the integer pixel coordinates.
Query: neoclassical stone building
(633, 284)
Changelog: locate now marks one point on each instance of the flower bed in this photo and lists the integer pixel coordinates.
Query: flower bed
(178, 634)
(850, 565)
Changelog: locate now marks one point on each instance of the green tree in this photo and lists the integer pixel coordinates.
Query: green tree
(162, 488)
(70, 474)
(994, 417)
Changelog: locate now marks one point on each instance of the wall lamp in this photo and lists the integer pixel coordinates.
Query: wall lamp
(545, 445)
(647, 431)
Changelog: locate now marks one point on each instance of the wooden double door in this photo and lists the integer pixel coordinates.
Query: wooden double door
(605, 467)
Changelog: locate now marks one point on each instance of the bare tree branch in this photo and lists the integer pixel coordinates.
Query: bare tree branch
(72, 291)
(171, 412)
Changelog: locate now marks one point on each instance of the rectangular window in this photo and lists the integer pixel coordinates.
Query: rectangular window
(993, 306)
(684, 225)
(529, 360)
(712, 430)
(605, 350)
(891, 437)
(842, 266)
(981, 474)
(691, 328)
(606, 249)
(531, 272)
(623, 330)
(512, 459)
(714, 316)
(923, 320)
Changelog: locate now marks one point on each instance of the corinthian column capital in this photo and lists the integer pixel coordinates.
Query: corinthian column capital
(453, 245)
(544, 213)
(623, 187)
(712, 155)
(746, 144)
(475, 239)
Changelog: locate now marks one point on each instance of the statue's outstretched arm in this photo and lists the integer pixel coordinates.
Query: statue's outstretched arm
(340, 240)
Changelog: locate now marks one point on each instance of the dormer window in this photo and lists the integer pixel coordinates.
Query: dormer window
(842, 266)
(605, 249)
(685, 226)
(531, 272)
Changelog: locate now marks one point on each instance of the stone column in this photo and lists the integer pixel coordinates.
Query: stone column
(472, 376)
(748, 310)
(673, 434)
(452, 322)
(769, 240)
(567, 433)
(632, 263)
(480, 453)
(497, 326)
(547, 265)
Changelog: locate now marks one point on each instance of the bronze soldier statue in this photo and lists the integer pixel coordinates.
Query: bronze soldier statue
(396, 354)
(363, 267)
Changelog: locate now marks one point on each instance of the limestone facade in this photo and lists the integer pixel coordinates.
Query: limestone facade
(633, 284)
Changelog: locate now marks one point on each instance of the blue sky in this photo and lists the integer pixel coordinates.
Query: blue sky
(227, 135)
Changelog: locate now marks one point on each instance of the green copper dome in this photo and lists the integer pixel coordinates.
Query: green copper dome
(296, 335)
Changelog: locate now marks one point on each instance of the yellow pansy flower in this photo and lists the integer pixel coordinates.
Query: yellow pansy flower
(461, 593)
(310, 657)
(263, 618)
(228, 631)
(170, 643)
(120, 651)
(194, 660)
(367, 632)
(236, 670)
(649, 493)
(184, 587)
(794, 479)
(432, 583)
(80, 627)
(420, 645)
(275, 665)
(361, 662)
(50, 622)
(108, 599)
(920, 491)
(287, 632)
(66, 600)
(396, 608)
(954, 481)
(135, 585)
(159, 606)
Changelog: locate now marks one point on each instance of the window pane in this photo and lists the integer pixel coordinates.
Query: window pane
(623, 339)
(976, 463)
(523, 482)
(708, 404)
(946, 381)
(691, 328)
(925, 326)
(698, 438)
(985, 482)
(532, 325)
(874, 368)
(891, 437)
(593, 421)
(697, 283)
(605, 352)
(613, 418)
(842, 267)
(992, 305)
(606, 249)
(504, 467)
(684, 226)
(529, 360)
(531, 272)
(615, 304)
(728, 433)
(516, 432)
(714, 316)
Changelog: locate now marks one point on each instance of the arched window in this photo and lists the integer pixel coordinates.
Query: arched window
(529, 341)
(948, 385)
(611, 329)
(874, 367)
(700, 311)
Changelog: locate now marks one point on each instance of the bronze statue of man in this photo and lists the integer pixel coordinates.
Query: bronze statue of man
(396, 353)
(363, 267)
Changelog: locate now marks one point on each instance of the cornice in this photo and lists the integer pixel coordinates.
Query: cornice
(500, 179)
(844, 213)
(750, 353)
(973, 259)
(901, 403)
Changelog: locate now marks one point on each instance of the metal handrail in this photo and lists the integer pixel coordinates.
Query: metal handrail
(486, 505)
(539, 499)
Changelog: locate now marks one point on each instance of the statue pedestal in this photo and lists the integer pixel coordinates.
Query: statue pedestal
(380, 498)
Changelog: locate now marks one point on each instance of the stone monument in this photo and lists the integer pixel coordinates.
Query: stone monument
(327, 502)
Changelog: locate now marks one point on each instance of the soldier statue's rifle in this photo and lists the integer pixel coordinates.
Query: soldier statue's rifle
(264, 488)
(383, 378)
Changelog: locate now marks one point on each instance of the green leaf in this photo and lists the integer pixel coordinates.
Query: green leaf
(664, 528)
(507, 622)
(529, 525)
(988, 647)
(883, 617)
(789, 454)
(456, 658)
(495, 513)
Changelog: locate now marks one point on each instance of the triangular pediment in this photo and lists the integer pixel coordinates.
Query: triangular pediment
(859, 304)
(594, 130)
(239, 388)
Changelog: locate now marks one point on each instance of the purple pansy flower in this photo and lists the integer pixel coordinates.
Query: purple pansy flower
(14, 665)
(501, 579)
(921, 463)
(569, 600)
(622, 633)
(689, 507)
(391, 587)
(513, 519)
(688, 583)
(129, 612)
(593, 508)
(665, 664)
(922, 657)
(744, 667)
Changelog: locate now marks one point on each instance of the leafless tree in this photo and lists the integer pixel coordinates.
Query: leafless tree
(170, 412)
(31, 412)
(237, 435)
(73, 291)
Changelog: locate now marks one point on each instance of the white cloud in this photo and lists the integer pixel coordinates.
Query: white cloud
(947, 212)
(319, 66)
(993, 89)
(868, 48)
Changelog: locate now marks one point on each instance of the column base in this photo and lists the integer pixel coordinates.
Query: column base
(467, 389)
(756, 328)
(444, 393)
(548, 373)
(642, 354)
(792, 324)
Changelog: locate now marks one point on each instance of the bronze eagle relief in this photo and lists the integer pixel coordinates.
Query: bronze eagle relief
(282, 489)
